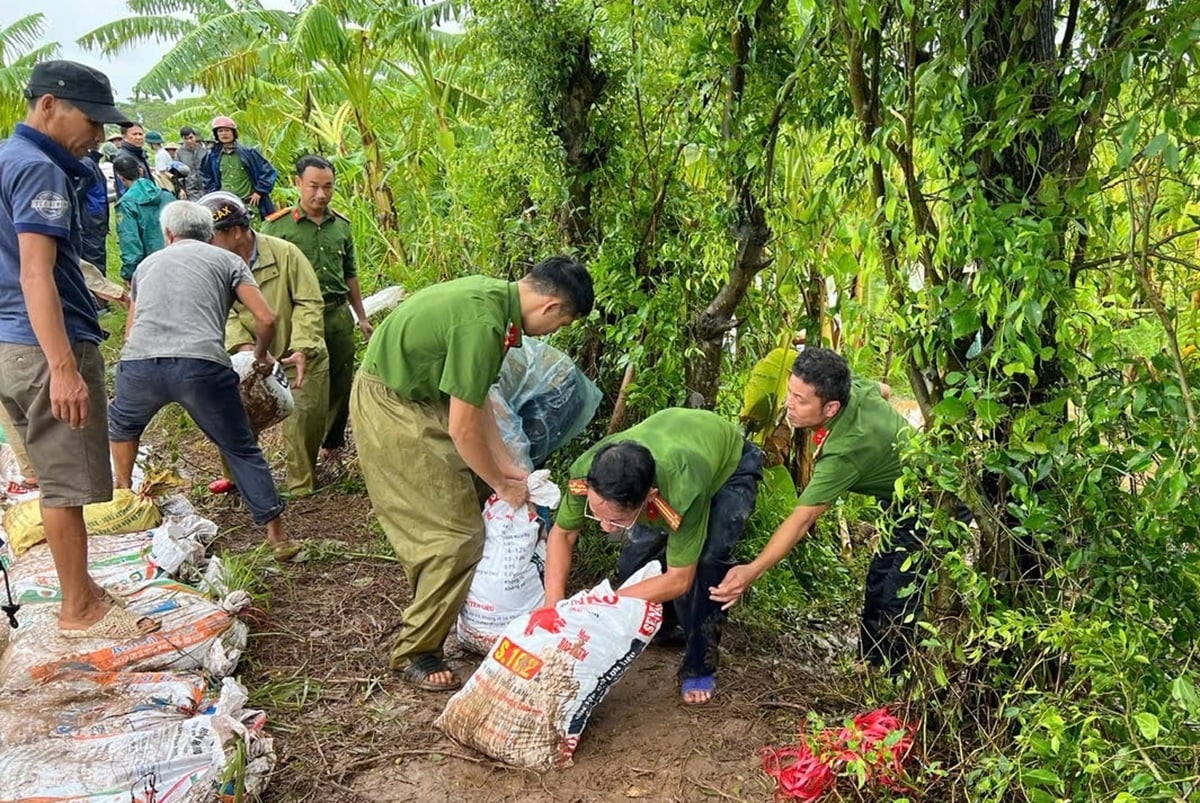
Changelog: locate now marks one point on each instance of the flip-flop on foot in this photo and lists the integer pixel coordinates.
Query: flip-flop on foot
(285, 551)
(423, 667)
(117, 624)
(704, 683)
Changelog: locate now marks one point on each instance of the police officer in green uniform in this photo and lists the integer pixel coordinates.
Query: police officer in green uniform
(681, 486)
(425, 430)
(859, 436)
(323, 235)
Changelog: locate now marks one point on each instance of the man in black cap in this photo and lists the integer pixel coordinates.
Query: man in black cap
(51, 370)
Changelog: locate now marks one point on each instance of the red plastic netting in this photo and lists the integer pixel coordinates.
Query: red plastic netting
(807, 771)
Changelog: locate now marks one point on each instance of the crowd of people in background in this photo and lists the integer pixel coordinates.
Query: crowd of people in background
(140, 172)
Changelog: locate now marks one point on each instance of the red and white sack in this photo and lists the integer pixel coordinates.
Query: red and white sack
(267, 399)
(88, 705)
(530, 699)
(510, 577)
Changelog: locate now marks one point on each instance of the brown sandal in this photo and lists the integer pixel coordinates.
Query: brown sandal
(117, 624)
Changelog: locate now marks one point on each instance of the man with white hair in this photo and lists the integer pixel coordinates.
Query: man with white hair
(175, 352)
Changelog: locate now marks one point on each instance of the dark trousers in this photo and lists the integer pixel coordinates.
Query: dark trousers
(894, 589)
(208, 392)
(892, 596)
(700, 617)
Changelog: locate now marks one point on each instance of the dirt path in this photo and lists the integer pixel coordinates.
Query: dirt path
(346, 730)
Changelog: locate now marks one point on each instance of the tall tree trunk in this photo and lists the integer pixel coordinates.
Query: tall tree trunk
(750, 232)
(583, 151)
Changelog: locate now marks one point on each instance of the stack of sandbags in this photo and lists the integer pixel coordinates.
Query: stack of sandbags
(196, 633)
(148, 718)
(114, 738)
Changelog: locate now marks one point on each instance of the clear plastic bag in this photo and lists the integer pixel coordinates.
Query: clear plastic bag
(542, 400)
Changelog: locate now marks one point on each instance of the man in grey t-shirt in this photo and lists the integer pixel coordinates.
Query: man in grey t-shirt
(174, 352)
(182, 300)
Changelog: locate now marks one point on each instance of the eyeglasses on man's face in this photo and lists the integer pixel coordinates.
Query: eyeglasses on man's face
(614, 528)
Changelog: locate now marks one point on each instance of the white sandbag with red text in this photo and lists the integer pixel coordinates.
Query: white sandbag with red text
(509, 579)
(530, 699)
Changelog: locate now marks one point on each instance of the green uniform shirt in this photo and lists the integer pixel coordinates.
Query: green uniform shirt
(447, 340)
(234, 176)
(695, 453)
(861, 453)
(328, 246)
(289, 285)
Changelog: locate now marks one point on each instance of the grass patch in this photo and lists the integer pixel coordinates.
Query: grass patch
(291, 693)
(247, 571)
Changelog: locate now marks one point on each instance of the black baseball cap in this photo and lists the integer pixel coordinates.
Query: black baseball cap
(85, 88)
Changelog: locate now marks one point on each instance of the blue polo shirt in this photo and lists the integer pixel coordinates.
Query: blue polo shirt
(37, 195)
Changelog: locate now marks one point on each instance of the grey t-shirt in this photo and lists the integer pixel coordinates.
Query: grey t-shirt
(182, 295)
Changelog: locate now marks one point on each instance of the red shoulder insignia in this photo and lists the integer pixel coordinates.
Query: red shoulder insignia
(278, 213)
(578, 487)
(512, 338)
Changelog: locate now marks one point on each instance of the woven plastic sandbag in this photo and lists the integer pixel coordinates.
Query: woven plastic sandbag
(267, 399)
(530, 699)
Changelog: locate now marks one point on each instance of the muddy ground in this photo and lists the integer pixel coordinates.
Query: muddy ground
(346, 730)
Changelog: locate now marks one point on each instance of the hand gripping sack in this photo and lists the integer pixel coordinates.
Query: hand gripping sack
(509, 579)
(267, 399)
(531, 698)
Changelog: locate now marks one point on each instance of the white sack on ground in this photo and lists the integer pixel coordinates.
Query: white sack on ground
(172, 762)
(196, 633)
(89, 705)
(530, 699)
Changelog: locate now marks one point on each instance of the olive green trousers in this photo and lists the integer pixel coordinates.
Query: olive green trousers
(425, 497)
(339, 342)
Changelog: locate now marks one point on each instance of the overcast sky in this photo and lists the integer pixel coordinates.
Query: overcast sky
(67, 20)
